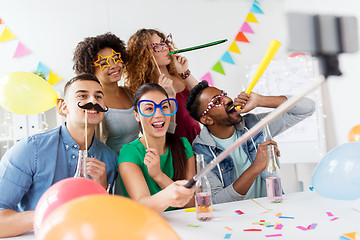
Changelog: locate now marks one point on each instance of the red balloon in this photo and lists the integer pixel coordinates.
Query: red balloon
(62, 192)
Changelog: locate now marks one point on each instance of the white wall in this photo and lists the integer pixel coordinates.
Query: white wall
(51, 30)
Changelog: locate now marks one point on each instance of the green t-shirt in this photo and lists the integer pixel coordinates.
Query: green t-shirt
(135, 152)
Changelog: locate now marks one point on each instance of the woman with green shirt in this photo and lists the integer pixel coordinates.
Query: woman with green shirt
(152, 166)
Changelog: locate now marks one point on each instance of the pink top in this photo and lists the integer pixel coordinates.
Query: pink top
(186, 126)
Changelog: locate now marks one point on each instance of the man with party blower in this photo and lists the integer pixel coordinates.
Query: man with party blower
(35, 163)
(240, 175)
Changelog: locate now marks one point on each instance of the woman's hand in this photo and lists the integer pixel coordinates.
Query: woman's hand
(152, 161)
(181, 63)
(167, 84)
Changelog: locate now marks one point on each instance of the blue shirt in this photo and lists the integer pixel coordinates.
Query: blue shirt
(35, 163)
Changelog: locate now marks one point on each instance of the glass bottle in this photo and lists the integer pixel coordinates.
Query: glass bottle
(203, 200)
(81, 165)
(272, 174)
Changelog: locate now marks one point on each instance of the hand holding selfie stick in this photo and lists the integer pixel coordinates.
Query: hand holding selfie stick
(258, 127)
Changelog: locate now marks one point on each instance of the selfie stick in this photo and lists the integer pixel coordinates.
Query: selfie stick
(198, 47)
(269, 55)
(266, 120)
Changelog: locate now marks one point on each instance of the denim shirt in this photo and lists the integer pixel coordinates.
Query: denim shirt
(226, 169)
(35, 163)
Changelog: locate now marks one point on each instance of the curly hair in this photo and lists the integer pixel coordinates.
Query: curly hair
(140, 67)
(193, 100)
(86, 52)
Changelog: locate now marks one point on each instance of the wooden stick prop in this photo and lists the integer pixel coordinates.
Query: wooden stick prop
(144, 133)
(197, 47)
(269, 55)
(258, 127)
(156, 63)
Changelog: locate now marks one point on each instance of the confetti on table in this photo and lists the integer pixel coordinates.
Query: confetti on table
(278, 214)
(286, 217)
(227, 236)
(262, 223)
(252, 230)
(311, 188)
(349, 236)
(270, 226)
(312, 226)
(239, 212)
(302, 228)
(333, 219)
(329, 214)
(260, 205)
(228, 228)
(190, 225)
(190, 209)
(278, 226)
(274, 235)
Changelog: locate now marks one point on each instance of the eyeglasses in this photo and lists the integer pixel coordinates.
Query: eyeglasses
(160, 47)
(103, 62)
(147, 108)
(216, 101)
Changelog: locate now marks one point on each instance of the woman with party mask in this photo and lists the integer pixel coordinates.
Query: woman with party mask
(149, 62)
(151, 166)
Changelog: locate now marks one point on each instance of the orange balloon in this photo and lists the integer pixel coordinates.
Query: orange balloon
(105, 217)
(354, 134)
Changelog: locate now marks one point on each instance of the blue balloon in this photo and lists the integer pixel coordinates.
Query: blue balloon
(337, 175)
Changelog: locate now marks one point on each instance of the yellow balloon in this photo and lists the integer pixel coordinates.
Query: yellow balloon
(105, 217)
(354, 134)
(26, 93)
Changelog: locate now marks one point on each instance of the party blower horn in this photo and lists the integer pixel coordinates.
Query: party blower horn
(269, 55)
(198, 47)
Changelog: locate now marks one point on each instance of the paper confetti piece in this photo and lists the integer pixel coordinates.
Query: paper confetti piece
(190, 209)
(333, 219)
(351, 235)
(239, 212)
(228, 228)
(311, 188)
(286, 217)
(312, 226)
(274, 235)
(278, 226)
(270, 226)
(302, 228)
(329, 214)
(278, 215)
(227, 236)
(252, 230)
(190, 225)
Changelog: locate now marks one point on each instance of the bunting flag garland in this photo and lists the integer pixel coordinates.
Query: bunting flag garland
(234, 48)
(218, 68)
(245, 28)
(53, 78)
(256, 9)
(240, 37)
(6, 35)
(43, 69)
(207, 77)
(227, 58)
(251, 18)
(21, 50)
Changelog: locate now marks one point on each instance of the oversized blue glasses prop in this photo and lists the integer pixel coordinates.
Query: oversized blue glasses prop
(149, 107)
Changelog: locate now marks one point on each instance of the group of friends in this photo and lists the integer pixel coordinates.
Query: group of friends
(143, 146)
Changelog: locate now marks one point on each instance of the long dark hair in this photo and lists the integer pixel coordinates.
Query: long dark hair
(173, 142)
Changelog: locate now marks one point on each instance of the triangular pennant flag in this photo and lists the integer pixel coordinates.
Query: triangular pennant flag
(1, 21)
(251, 18)
(227, 58)
(245, 28)
(207, 77)
(21, 50)
(6, 35)
(240, 37)
(256, 9)
(350, 235)
(234, 48)
(42, 68)
(256, 2)
(218, 68)
(53, 78)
